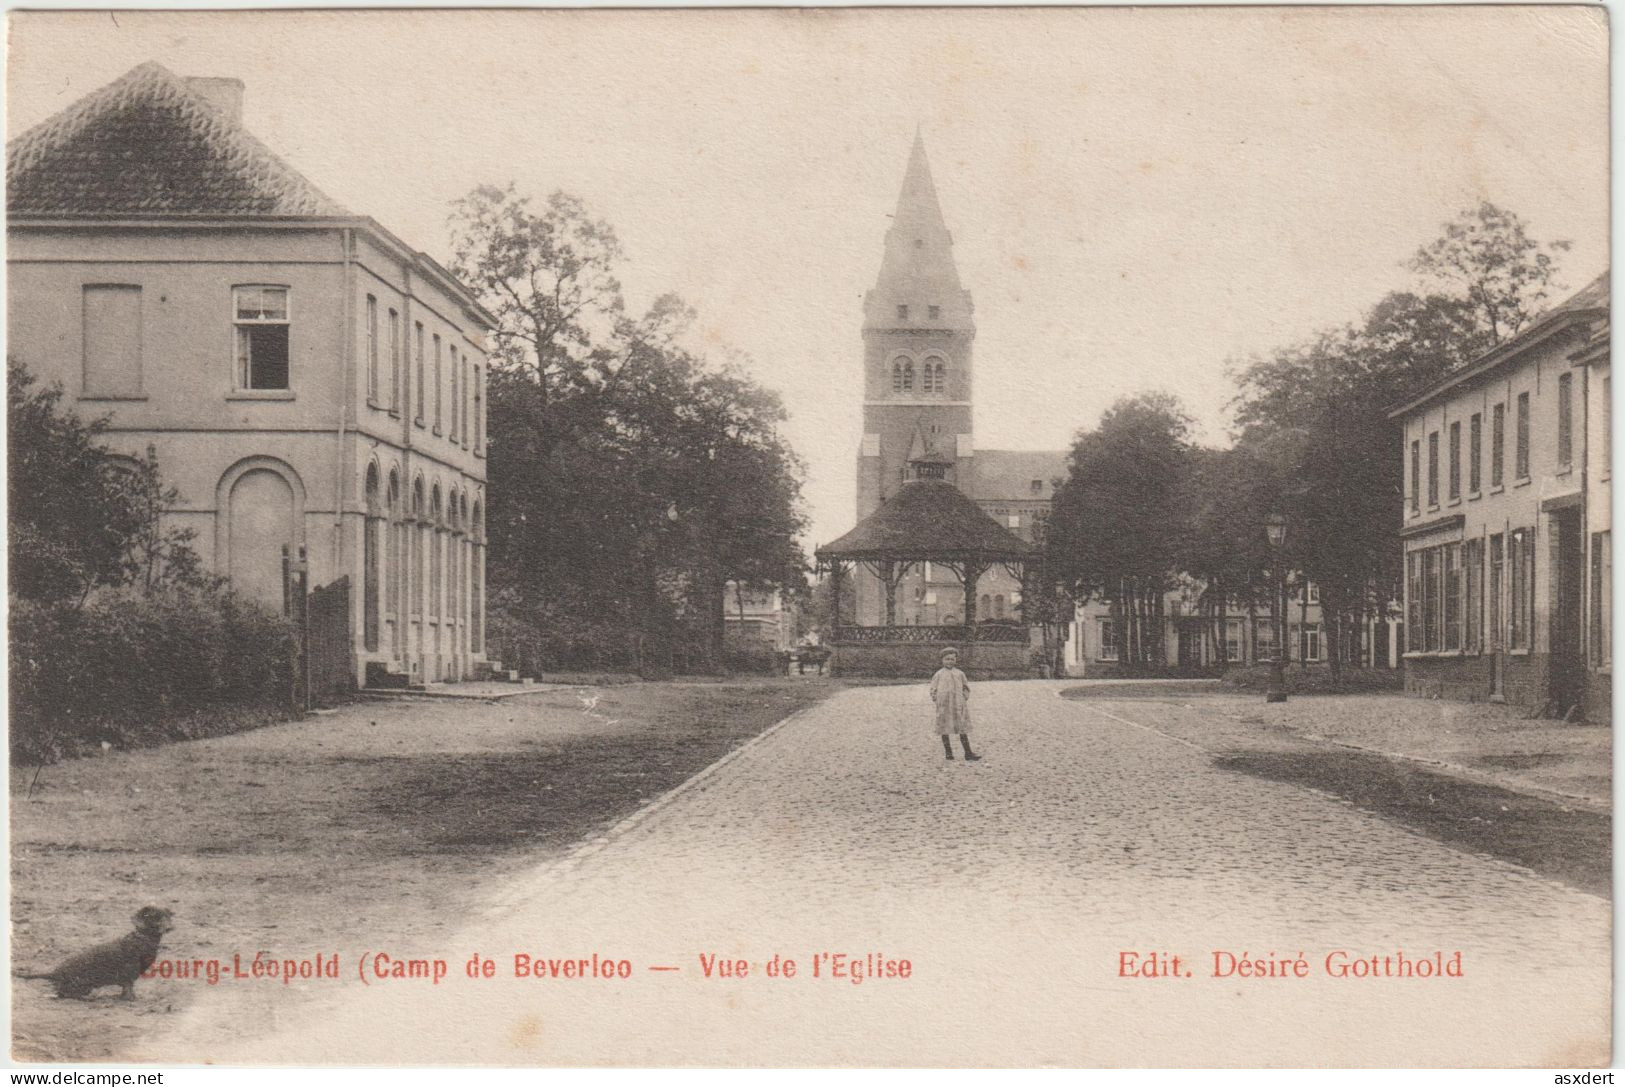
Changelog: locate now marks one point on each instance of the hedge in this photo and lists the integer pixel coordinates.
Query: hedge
(130, 669)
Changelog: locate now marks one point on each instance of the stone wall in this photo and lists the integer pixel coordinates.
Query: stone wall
(1467, 679)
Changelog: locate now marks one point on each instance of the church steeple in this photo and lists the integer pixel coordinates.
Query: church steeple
(918, 285)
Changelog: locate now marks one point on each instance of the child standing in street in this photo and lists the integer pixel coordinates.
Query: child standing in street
(950, 690)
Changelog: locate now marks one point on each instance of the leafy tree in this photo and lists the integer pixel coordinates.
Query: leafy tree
(1117, 518)
(80, 518)
(631, 478)
(1487, 254)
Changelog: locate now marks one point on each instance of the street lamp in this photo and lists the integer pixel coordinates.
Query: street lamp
(1275, 533)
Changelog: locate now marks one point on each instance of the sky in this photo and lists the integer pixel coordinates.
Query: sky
(1137, 196)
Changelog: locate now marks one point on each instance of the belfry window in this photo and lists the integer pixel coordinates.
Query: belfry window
(933, 376)
(902, 376)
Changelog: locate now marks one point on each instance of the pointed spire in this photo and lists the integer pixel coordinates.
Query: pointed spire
(918, 285)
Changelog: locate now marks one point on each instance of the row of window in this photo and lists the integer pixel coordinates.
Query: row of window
(933, 376)
(931, 312)
(1450, 607)
(1305, 636)
(262, 321)
(462, 419)
(1475, 448)
(394, 558)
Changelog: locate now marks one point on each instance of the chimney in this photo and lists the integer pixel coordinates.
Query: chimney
(225, 93)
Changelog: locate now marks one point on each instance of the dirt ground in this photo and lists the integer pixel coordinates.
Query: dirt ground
(382, 817)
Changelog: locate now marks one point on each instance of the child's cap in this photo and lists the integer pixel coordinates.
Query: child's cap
(949, 652)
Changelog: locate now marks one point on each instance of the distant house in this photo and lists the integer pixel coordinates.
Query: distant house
(1198, 636)
(308, 381)
(757, 618)
(1508, 567)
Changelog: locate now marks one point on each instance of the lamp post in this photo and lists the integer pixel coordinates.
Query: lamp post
(1275, 533)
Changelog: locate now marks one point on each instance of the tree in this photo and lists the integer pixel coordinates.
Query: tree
(80, 518)
(549, 276)
(630, 476)
(1487, 254)
(1117, 519)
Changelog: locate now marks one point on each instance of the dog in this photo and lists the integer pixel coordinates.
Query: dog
(116, 962)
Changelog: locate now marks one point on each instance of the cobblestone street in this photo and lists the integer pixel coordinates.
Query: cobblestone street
(1012, 886)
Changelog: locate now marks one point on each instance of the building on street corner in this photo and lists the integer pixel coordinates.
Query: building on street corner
(1508, 567)
(307, 380)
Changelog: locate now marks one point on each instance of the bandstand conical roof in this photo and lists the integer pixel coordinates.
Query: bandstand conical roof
(928, 520)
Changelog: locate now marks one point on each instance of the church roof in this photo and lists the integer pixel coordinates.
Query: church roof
(917, 270)
(147, 144)
(928, 519)
(1008, 474)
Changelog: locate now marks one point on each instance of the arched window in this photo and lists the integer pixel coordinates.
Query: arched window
(417, 545)
(477, 582)
(934, 376)
(902, 375)
(986, 605)
(370, 563)
(436, 513)
(392, 565)
(998, 606)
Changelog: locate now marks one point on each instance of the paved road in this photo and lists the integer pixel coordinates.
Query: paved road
(1012, 887)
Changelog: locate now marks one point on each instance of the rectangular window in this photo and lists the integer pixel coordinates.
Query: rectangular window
(1432, 616)
(1521, 557)
(479, 410)
(1451, 594)
(1498, 444)
(1607, 427)
(1497, 632)
(1522, 461)
(1602, 600)
(1416, 477)
(1013, 520)
(902, 313)
(372, 350)
(439, 382)
(1309, 642)
(419, 352)
(1455, 460)
(934, 311)
(1264, 639)
(1414, 641)
(111, 316)
(260, 315)
(1232, 640)
(456, 384)
(473, 382)
(1472, 573)
(394, 361)
(1312, 592)
(1565, 420)
(1106, 649)
(1475, 453)
(1433, 468)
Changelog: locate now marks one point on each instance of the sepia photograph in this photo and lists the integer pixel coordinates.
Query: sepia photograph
(810, 537)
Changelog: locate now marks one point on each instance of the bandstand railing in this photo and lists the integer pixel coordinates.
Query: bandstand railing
(981, 632)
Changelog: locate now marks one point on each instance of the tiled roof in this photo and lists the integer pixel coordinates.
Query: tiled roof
(146, 144)
(1008, 474)
(928, 519)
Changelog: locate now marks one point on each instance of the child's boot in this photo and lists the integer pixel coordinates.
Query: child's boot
(970, 756)
(948, 748)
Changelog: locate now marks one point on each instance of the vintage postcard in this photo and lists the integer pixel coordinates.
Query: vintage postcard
(834, 537)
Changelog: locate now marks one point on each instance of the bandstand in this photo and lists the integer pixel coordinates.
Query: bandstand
(928, 521)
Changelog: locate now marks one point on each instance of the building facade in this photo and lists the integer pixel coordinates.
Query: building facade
(1506, 520)
(310, 384)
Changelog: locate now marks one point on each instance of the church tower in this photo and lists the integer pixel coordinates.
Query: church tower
(917, 333)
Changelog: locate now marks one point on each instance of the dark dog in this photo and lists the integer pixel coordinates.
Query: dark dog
(116, 962)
